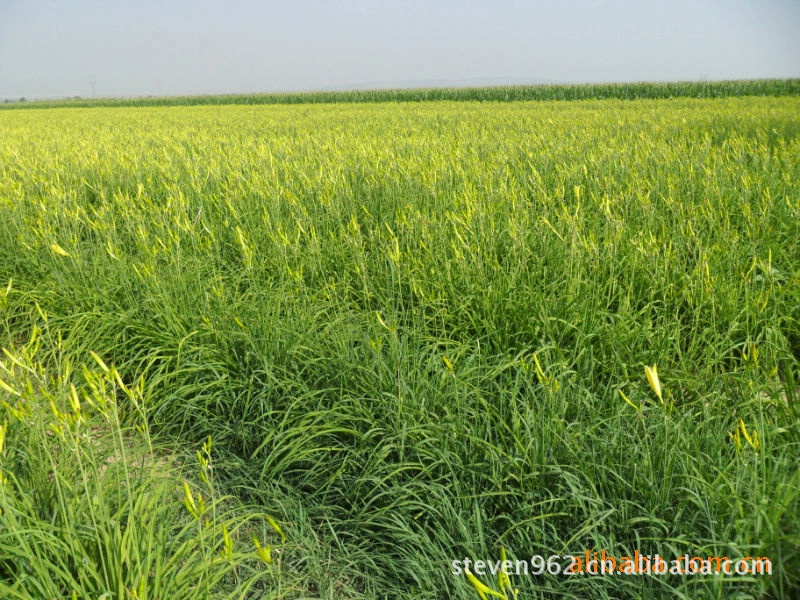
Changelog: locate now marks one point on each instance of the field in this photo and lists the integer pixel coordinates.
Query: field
(514, 93)
(413, 333)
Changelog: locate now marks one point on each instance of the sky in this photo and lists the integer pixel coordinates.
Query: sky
(51, 49)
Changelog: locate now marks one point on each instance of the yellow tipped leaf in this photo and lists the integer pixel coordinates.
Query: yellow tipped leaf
(652, 378)
(264, 553)
(277, 528)
(8, 388)
(227, 544)
(752, 439)
(99, 361)
(503, 580)
(58, 250)
(3, 429)
(188, 501)
(624, 397)
(481, 587)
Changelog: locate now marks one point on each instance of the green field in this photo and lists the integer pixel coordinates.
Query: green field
(511, 93)
(414, 332)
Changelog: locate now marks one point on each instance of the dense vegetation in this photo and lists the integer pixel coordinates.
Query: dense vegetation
(516, 93)
(415, 333)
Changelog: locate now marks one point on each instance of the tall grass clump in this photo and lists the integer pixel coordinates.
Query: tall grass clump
(91, 508)
(424, 332)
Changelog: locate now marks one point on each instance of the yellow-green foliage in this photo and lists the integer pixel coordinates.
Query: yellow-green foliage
(418, 332)
(89, 508)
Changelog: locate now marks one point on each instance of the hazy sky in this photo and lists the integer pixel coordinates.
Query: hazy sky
(58, 48)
